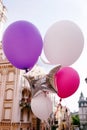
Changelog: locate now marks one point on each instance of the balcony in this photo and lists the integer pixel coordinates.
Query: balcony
(25, 102)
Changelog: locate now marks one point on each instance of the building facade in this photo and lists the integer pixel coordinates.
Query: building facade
(2, 17)
(9, 95)
(15, 113)
(83, 111)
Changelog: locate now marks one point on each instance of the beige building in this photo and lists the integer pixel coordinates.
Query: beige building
(63, 117)
(2, 17)
(11, 117)
(15, 112)
(15, 98)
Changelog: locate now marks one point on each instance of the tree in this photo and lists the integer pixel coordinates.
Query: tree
(75, 120)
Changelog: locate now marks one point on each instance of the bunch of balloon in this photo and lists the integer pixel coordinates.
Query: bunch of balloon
(67, 81)
(22, 44)
(41, 106)
(63, 44)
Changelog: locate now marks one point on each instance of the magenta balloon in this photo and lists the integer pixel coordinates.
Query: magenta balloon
(22, 44)
(67, 81)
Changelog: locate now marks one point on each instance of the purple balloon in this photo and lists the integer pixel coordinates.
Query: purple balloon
(22, 44)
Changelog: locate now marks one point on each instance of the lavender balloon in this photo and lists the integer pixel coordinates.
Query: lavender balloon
(22, 44)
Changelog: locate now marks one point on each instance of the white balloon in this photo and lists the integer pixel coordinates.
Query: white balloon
(63, 43)
(41, 106)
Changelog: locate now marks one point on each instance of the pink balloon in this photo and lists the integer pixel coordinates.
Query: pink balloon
(67, 81)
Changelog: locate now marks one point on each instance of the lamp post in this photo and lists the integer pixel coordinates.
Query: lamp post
(81, 127)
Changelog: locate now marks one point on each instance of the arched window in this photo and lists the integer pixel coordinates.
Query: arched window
(9, 94)
(10, 76)
(25, 115)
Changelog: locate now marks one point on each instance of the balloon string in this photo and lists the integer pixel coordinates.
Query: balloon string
(44, 61)
(26, 70)
(60, 100)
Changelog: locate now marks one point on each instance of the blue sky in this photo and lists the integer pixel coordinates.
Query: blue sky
(43, 13)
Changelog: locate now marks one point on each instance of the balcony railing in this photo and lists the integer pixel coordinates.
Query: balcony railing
(24, 102)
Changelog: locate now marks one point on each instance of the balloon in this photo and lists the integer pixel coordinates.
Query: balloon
(22, 44)
(63, 43)
(67, 81)
(41, 106)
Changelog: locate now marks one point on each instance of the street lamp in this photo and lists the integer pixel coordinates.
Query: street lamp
(81, 127)
(86, 80)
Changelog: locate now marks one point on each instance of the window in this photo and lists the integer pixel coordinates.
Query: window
(81, 104)
(7, 113)
(0, 77)
(9, 94)
(10, 76)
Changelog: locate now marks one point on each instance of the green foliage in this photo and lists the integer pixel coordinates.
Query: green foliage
(75, 120)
